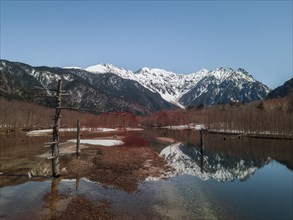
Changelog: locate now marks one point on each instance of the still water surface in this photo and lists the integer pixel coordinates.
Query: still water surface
(227, 178)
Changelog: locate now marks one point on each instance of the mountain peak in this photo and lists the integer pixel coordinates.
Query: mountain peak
(143, 69)
(98, 68)
(105, 68)
(229, 73)
(203, 70)
(155, 72)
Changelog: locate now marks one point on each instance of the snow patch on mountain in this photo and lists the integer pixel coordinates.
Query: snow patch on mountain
(72, 67)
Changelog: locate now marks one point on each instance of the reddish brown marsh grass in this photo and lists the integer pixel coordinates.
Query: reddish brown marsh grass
(135, 141)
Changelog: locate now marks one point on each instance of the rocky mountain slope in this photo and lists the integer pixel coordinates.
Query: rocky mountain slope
(285, 90)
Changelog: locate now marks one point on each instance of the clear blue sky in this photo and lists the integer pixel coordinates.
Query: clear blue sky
(179, 36)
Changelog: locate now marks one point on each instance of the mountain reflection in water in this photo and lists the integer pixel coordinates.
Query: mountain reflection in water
(225, 161)
(189, 160)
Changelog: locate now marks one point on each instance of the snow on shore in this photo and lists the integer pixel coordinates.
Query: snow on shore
(102, 142)
(69, 147)
(45, 132)
(184, 127)
(243, 132)
(48, 131)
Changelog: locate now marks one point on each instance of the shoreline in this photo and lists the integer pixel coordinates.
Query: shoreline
(251, 135)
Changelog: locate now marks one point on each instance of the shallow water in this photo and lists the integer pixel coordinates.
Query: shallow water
(227, 178)
(168, 199)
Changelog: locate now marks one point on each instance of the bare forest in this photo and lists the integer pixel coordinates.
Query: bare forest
(273, 116)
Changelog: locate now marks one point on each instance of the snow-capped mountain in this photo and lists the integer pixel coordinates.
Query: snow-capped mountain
(169, 85)
(225, 85)
(107, 68)
(222, 85)
(109, 88)
(210, 165)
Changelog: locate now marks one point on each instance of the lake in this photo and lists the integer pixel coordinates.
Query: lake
(229, 177)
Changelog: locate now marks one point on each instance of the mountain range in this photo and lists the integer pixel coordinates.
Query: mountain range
(106, 88)
(222, 85)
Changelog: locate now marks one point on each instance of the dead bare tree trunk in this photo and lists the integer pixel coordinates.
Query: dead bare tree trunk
(77, 137)
(55, 150)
